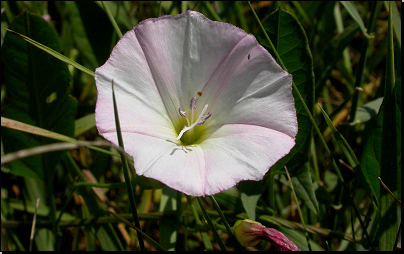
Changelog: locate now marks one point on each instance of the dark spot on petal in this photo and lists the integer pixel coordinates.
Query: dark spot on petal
(199, 93)
(248, 57)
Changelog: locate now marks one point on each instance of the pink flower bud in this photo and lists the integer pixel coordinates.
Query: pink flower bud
(250, 233)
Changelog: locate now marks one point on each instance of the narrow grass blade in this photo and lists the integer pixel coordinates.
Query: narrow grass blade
(347, 150)
(241, 16)
(16, 125)
(126, 170)
(31, 238)
(54, 53)
(84, 124)
(212, 227)
(148, 238)
(396, 22)
(209, 8)
(204, 235)
(112, 19)
(353, 11)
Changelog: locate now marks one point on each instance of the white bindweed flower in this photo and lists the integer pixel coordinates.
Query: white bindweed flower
(202, 105)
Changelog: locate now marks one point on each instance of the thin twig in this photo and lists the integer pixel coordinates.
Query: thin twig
(31, 238)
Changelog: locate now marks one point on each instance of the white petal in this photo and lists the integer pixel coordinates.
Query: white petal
(237, 152)
(249, 87)
(184, 51)
(140, 106)
(181, 168)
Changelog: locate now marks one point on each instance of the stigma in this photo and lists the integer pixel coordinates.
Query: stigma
(191, 123)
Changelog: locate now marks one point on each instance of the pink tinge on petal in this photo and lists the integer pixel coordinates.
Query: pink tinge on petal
(279, 240)
(47, 17)
(237, 152)
(160, 66)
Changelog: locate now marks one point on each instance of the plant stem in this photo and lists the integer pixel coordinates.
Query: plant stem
(126, 172)
(212, 227)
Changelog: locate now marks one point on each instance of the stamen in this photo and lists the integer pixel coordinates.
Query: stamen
(192, 107)
(201, 115)
(183, 114)
(204, 118)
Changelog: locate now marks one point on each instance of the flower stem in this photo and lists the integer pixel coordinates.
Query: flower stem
(126, 172)
(226, 224)
(214, 231)
(204, 235)
(219, 211)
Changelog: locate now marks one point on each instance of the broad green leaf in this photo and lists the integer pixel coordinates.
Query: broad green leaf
(304, 187)
(389, 156)
(55, 54)
(367, 111)
(371, 155)
(291, 42)
(38, 84)
(168, 227)
(250, 193)
(351, 8)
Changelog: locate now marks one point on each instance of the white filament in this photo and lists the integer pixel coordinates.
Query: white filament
(194, 124)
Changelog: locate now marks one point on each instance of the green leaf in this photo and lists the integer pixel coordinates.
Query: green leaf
(396, 22)
(389, 156)
(168, 226)
(367, 111)
(250, 193)
(84, 124)
(370, 159)
(304, 187)
(291, 42)
(38, 84)
(346, 149)
(55, 54)
(334, 51)
(351, 8)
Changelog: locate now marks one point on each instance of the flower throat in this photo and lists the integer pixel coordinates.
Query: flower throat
(191, 123)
